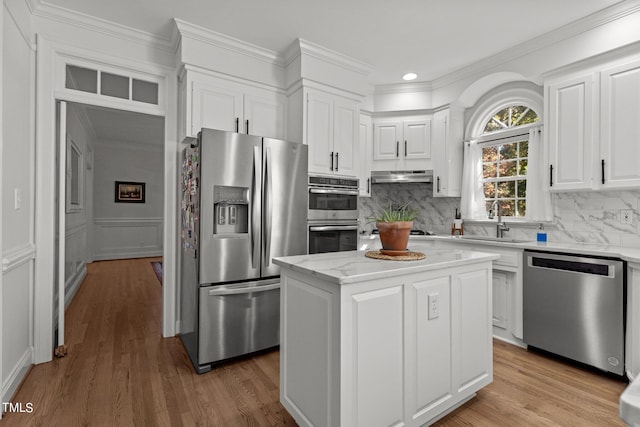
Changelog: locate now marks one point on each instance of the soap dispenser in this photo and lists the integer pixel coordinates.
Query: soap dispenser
(541, 237)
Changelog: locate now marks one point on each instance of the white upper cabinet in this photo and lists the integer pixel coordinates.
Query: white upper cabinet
(571, 119)
(593, 128)
(620, 125)
(332, 127)
(402, 144)
(447, 152)
(211, 102)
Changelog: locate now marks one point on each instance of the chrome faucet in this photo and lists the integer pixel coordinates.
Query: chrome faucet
(501, 227)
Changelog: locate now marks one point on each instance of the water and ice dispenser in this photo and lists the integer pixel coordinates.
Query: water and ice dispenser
(231, 210)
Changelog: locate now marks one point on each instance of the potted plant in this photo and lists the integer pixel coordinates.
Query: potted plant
(394, 225)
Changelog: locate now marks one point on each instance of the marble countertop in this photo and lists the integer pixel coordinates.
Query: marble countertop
(624, 253)
(352, 267)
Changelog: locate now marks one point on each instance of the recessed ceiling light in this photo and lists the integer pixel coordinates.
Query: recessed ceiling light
(409, 76)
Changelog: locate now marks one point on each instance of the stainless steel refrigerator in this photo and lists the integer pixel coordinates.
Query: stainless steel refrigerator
(244, 201)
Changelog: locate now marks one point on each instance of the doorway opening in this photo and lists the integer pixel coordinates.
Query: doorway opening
(110, 198)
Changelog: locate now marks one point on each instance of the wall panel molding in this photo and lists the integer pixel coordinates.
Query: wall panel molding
(15, 257)
(17, 374)
(119, 238)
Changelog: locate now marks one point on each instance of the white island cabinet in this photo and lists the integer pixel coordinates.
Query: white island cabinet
(379, 343)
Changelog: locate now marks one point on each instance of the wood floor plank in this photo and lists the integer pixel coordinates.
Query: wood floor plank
(120, 372)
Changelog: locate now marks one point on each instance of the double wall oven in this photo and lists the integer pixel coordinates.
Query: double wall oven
(332, 217)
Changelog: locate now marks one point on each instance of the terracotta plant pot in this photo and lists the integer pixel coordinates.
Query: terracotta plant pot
(394, 236)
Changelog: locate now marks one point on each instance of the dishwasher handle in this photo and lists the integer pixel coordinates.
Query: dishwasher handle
(581, 265)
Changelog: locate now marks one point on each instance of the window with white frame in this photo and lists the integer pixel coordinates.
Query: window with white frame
(505, 159)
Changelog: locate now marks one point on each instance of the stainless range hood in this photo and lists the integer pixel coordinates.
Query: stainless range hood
(378, 177)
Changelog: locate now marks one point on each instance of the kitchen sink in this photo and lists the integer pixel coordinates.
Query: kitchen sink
(492, 239)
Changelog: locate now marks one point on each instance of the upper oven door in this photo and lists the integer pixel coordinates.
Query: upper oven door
(332, 203)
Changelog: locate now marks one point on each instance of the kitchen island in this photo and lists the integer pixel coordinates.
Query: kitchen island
(368, 342)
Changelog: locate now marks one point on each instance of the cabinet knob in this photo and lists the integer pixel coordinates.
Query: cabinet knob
(603, 171)
(550, 175)
(397, 148)
(237, 124)
(331, 161)
(337, 154)
(405, 148)
(246, 123)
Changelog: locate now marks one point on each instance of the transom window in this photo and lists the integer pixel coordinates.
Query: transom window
(505, 159)
(516, 115)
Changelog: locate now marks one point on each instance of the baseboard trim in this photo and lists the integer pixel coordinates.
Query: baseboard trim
(18, 374)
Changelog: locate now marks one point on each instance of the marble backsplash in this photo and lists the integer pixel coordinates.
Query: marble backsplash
(587, 217)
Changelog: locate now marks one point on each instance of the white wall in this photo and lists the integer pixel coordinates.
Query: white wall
(127, 230)
(18, 249)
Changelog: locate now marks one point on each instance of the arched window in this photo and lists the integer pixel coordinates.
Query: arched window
(505, 158)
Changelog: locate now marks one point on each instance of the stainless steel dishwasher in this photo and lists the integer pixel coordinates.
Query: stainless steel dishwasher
(574, 306)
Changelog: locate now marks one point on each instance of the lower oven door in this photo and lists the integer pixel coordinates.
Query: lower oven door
(333, 237)
(238, 319)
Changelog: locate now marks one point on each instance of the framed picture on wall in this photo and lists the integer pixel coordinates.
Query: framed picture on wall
(129, 192)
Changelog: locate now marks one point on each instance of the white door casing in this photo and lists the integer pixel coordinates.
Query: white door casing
(51, 58)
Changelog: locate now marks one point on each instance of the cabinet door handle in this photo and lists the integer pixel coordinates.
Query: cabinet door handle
(397, 148)
(332, 160)
(550, 175)
(247, 126)
(405, 148)
(438, 185)
(368, 185)
(337, 154)
(603, 171)
(237, 124)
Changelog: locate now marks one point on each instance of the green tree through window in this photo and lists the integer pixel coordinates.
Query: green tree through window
(504, 164)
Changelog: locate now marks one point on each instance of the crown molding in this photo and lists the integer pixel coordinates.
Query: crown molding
(575, 28)
(213, 38)
(45, 10)
(404, 88)
(301, 46)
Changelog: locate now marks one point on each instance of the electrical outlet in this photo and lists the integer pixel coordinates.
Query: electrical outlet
(434, 309)
(626, 216)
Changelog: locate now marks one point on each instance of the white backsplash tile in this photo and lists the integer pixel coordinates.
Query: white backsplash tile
(587, 216)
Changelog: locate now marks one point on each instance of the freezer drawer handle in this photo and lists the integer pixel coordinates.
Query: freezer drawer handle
(243, 290)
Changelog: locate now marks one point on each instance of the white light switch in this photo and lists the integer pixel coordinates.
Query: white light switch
(434, 309)
(17, 199)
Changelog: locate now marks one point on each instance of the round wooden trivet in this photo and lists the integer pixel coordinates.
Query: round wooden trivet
(409, 256)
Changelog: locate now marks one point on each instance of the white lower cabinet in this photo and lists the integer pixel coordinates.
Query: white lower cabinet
(507, 287)
(632, 344)
(400, 351)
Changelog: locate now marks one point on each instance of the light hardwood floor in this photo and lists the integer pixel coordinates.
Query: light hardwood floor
(120, 371)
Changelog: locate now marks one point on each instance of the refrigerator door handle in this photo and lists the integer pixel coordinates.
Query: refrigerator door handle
(268, 194)
(254, 206)
(244, 290)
